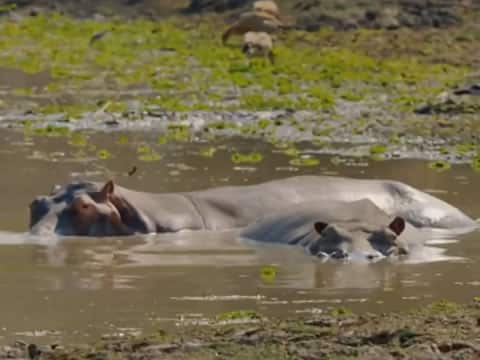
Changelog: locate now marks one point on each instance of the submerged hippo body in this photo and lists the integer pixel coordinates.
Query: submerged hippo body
(101, 210)
(340, 230)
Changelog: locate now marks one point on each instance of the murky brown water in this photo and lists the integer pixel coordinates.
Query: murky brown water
(77, 288)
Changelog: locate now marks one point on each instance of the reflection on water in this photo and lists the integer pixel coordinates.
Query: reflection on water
(77, 287)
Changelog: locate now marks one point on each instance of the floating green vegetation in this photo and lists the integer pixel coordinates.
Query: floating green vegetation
(475, 164)
(444, 150)
(150, 156)
(238, 315)
(263, 124)
(443, 307)
(122, 140)
(104, 154)
(319, 132)
(162, 140)
(71, 111)
(378, 149)
(78, 139)
(222, 125)
(304, 161)
(52, 130)
(144, 149)
(208, 151)
(439, 165)
(268, 274)
(325, 98)
(178, 132)
(341, 311)
(147, 154)
(115, 106)
(352, 96)
(249, 158)
(464, 149)
(292, 151)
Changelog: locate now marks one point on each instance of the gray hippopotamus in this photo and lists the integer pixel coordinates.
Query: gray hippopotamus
(93, 209)
(341, 230)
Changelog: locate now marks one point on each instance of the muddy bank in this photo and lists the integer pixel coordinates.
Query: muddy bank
(381, 93)
(384, 137)
(443, 330)
(399, 93)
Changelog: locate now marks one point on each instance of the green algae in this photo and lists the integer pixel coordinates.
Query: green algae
(238, 315)
(162, 139)
(443, 307)
(341, 311)
(475, 163)
(439, 165)
(246, 158)
(208, 152)
(51, 130)
(378, 149)
(78, 139)
(104, 154)
(304, 161)
(123, 140)
(292, 151)
(147, 154)
(128, 53)
(268, 274)
(178, 132)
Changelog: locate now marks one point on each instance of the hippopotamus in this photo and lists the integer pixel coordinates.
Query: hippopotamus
(94, 209)
(341, 230)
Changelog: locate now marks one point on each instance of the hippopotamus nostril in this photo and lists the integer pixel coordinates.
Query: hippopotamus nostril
(38, 208)
(38, 202)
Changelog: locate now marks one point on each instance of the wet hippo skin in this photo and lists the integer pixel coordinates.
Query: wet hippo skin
(93, 209)
(341, 230)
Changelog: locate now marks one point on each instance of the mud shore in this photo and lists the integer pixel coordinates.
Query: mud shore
(442, 330)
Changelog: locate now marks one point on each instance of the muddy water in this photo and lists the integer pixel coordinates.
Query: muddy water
(74, 289)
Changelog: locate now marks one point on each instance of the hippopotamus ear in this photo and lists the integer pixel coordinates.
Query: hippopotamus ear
(397, 225)
(107, 190)
(320, 226)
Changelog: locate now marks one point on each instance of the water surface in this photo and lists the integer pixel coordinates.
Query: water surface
(75, 289)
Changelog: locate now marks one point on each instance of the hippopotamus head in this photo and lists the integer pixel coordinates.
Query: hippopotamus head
(338, 240)
(84, 209)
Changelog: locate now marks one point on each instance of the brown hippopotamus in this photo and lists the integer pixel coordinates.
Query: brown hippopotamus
(93, 209)
(341, 230)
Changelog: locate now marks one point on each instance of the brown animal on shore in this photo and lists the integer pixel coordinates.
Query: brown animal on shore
(258, 44)
(265, 17)
(268, 7)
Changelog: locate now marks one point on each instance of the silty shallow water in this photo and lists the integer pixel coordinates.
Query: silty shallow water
(74, 289)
